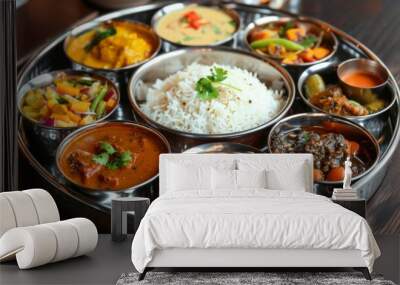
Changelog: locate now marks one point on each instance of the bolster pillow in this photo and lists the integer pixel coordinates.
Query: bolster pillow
(26, 208)
(40, 244)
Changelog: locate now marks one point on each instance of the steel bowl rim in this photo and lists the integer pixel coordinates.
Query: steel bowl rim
(85, 27)
(231, 12)
(289, 85)
(275, 18)
(68, 139)
(325, 65)
(249, 147)
(365, 60)
(69, 71)
(371, 138)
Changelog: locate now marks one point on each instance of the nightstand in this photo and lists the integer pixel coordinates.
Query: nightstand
(357, 206)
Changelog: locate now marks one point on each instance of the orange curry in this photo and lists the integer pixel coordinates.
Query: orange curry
(112, 157)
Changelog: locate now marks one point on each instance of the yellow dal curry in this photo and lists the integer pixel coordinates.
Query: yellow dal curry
(114, 44)
(196, 25)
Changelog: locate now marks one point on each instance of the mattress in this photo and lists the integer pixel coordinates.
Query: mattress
(250, 219)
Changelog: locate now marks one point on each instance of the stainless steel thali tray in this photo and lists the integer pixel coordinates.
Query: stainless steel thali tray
(52, 57)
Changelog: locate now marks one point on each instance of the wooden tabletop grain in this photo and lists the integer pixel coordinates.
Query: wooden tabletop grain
(373, 22)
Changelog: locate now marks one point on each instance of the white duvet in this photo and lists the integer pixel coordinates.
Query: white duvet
(250, 219)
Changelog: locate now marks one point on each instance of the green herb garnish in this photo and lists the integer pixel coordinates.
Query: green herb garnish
(284, 28)
(120, 160)
(101, 158)
(187, 38)
(107, 147)
(309, 41)
(61, 100)
(110, 158)
(216, 30)
(99, 36)
(206, 87)
(232, 23)
(86, 82)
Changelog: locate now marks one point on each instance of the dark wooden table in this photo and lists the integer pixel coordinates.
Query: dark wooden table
(374, 22)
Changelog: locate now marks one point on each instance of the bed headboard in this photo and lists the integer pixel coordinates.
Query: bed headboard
(273, 161)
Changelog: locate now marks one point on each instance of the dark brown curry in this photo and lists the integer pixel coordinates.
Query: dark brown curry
(112, 157)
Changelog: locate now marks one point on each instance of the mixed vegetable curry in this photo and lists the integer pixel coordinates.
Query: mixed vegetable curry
(290, 42)
(70, 101)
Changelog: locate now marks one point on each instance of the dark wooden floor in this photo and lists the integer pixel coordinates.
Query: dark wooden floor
(374, 22)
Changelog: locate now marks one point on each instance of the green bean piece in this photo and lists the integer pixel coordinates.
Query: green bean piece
(289, 45)
(100, 109)
(99, 97)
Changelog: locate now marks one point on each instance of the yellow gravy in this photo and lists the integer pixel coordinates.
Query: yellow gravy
(196, 25)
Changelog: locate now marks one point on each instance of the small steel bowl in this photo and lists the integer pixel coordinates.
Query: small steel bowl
(46, 137)
(164, 65)
(222, 147)
(349, 129)
(95, 23)
(328, 71)
(364, 65)
(309, 24)
(178, 6)
(82, 132)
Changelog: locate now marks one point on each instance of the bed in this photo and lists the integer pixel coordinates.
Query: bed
(246, 211)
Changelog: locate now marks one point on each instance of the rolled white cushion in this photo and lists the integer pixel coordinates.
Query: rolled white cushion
(67, 240)
(87, 234)
(33, 246)
(23, 208)
(7, 218)
(45, 205)
(37, 245)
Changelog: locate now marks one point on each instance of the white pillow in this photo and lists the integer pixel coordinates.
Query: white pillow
(251, 178)
(280, 180)
(223, 179)
(182, 177)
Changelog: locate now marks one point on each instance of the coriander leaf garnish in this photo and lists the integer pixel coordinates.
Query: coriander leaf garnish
(284, 28)
(99, 36)
(107, 147)
(309, 41)
(206, 87)
(121, 160)
(101, 158)
(218, 74)
(111, 158)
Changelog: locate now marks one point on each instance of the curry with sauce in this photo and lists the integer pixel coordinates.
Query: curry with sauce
(331, 144)
(113, 44)
(113, 156)
(196, 25)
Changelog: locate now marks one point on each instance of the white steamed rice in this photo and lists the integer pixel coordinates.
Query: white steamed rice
(173, 102)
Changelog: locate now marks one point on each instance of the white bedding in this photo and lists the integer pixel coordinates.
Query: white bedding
(251, 218)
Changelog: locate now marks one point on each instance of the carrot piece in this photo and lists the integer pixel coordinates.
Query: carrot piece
(307, 55)
(352, 147)
(65, 88)
(110, 104)
(295, 34)
(80, 107)
(335, 174)
(74, 117)
(321, 52)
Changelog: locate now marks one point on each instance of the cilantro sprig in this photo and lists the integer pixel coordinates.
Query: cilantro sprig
(111, 158)
(207, 87)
